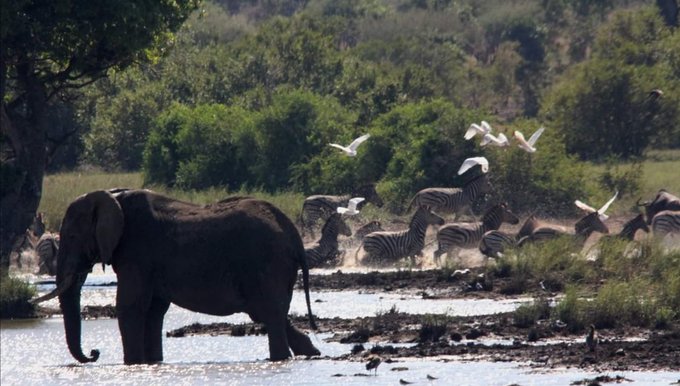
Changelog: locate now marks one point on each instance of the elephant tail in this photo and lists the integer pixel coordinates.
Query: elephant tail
(305, 284)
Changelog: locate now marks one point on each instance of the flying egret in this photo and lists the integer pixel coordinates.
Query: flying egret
(351, 206)
(528, 145)
(470, 162)
(585, 207)
(351, 150)
(489, 139)
(474, 129)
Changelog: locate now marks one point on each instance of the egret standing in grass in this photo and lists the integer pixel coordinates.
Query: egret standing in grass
(528, 145)
(351, 150)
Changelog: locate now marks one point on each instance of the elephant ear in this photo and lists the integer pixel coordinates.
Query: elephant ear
(108, 218)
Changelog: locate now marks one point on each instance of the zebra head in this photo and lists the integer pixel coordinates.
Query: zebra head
(590, 223)
(662, 201)
(499, 214)
(368, 191)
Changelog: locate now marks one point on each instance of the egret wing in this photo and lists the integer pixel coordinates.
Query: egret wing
(358, 141)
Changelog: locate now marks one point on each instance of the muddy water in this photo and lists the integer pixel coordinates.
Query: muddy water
(34, 352)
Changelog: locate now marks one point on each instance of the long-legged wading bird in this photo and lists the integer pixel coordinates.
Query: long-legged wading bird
(591, 339)
(351, 208)
(351, 150)
(373, 363)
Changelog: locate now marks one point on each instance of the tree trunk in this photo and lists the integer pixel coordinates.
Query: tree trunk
(24, 155)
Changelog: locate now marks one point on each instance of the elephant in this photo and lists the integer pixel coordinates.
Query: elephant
(238, 255)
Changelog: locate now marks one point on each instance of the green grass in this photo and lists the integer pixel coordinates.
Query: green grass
(659, 170)
(14, 296)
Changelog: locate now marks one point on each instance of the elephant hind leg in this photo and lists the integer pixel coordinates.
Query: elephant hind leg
(300, 342)
(275, 323)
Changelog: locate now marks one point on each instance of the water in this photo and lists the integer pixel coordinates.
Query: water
(34, 351)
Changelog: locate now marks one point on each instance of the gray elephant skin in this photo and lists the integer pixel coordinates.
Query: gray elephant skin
(238, 255)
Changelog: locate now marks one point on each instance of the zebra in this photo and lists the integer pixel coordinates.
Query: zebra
(373, 226)
(468, 235)
(454, 200)
(384, 245)
(494, 242)
(321, 207)
(583, 229)
(666, 222)
(326, 248)
(633, 225)
(47, 249)
(663, 201)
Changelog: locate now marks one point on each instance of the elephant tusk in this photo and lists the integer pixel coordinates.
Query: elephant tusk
(56, 292)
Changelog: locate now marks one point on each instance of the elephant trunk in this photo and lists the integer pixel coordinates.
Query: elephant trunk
(69, 301)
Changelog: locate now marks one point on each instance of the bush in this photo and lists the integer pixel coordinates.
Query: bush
(526, 315)
(14, 296)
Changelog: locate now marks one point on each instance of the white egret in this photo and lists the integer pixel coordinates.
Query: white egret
(489, 139)
(528, 145)
(351, 150)
(475, 129)
(470, 162)
(351, 206)
(587, 208)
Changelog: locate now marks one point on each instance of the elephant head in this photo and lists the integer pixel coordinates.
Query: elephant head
(90, 231)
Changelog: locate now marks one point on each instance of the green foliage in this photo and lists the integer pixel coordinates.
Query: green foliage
(527, 315)
(603, 105)
(14, 296)
(210, 145)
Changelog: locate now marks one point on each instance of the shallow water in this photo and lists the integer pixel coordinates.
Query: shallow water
(34, 351)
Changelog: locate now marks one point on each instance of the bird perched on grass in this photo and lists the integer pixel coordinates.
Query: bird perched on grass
(373, 363)
(351, 150)
(528, 145)
(591, 339)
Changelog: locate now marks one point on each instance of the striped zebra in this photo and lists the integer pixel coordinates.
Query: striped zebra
(47, 249)
(325, 249)
(632, 226)
(452, 200)
(321, 207)
(495, 242)
(665, 223)
(390, 246)
(663, 201)
(583, 229)
(373, 226)
(467, 235)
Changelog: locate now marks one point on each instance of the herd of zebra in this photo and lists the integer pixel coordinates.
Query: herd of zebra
(381, 247)
(662, 217)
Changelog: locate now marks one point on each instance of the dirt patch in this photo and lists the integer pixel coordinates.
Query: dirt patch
(491, 337)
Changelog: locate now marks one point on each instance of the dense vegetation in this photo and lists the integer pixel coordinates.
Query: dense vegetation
(252, 92)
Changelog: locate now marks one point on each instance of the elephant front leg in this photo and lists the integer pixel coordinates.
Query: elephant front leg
(131, 325)
(153, 331)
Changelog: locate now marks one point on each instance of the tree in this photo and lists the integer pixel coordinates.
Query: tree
(48, 48)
